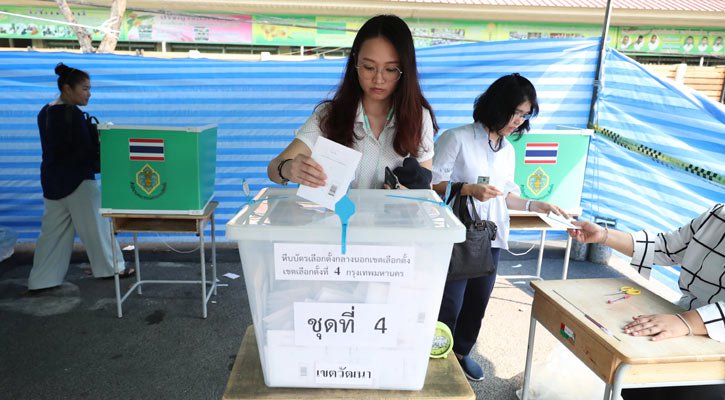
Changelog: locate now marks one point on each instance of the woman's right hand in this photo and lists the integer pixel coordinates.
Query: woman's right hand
(304, 170)
(588, 233)
(482, 192)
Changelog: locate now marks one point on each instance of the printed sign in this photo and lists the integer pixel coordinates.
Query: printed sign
(321, 262)
(344, 374)
(345, 324)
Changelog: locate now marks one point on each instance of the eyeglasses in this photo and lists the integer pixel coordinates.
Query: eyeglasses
(369, 71)
(518, 115)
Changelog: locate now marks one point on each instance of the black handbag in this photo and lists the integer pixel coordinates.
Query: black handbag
(471, 258)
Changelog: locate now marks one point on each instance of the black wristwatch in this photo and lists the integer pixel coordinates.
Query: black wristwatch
(279, 171)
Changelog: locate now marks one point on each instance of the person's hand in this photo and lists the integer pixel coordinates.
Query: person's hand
(482, 192)
(659, 326)
(544, 207)
(305, 171)
(386, 186)
(589, 232)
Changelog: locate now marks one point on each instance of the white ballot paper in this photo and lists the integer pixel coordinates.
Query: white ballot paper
(339, 163)
(557, 221)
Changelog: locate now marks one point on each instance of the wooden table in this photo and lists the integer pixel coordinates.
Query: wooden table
(530, 221)
(444, 380)
(173, 223)
(620, 360)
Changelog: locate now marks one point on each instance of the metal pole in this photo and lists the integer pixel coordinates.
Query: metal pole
(600, 63)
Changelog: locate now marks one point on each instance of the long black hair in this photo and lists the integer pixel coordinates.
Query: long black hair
(497, 105)
(338, 121)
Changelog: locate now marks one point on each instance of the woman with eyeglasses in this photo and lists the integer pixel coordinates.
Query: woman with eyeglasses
(378, 109)
(479, 156)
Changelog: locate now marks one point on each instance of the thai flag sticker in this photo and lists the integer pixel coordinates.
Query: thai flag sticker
(146, 149)
(541, 153)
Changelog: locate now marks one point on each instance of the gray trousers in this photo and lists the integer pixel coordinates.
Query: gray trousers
(77, 212)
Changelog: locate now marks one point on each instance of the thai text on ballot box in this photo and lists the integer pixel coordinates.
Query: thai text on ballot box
(361, 319)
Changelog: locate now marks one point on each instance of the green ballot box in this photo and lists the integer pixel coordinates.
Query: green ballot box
(550, 166)
(157, 170)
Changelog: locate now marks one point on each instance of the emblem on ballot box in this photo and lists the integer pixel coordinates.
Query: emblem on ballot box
(536, 183)
(148, 180)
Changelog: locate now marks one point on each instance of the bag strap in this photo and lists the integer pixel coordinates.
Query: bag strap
(475, 220)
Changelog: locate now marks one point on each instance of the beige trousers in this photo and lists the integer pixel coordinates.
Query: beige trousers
(77, 212)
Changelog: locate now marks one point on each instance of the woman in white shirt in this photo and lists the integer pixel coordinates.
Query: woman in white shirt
(475, 150)
(378, 109)
(699, 248)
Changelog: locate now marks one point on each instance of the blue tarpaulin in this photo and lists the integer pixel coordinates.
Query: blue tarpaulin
(258, 105)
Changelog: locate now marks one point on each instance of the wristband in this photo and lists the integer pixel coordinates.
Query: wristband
(528, 205)
(279, 170)
(684, 321)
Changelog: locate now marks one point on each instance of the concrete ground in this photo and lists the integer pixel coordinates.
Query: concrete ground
(69, 344)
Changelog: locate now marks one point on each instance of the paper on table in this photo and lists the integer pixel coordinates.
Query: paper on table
(339, 163)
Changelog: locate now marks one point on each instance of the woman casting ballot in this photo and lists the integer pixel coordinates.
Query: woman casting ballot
(378, 109)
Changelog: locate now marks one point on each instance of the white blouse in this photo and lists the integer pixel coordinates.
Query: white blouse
(462, 154)
(376, 153)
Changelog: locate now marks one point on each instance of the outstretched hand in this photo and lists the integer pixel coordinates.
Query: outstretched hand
(658, 326)
(589, 232)
(305, 170)
(544, 207)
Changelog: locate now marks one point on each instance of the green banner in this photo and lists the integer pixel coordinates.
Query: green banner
(48, 22)
(659, 40)
(335, 31)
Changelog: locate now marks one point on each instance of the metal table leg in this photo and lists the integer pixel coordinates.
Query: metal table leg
(213, 254)
(529, 357)
(137, 262)
(116, 280)
(567, 252)
(542, 241)
(203, 268)
(618, 380)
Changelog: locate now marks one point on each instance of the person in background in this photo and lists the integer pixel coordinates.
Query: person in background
(689, 44)
(625, 42)
(654, 42)
(638, 43)
(464, 154)
(378, 109)
(717, 44)
(698, 247)
(70, 192)
(704, 43)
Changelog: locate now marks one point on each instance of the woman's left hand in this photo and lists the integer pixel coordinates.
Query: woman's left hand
(659, 326)
(544, 207)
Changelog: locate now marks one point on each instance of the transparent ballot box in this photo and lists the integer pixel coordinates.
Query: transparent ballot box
(360, 319)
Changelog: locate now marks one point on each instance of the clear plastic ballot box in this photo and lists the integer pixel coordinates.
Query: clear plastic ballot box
(363, 319)
(157, 169)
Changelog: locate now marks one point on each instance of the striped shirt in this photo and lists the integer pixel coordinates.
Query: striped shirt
(699, 247)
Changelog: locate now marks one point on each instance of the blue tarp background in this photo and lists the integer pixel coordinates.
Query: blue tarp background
(258, 105)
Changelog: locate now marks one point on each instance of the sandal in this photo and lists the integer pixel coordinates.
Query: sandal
(127, 273)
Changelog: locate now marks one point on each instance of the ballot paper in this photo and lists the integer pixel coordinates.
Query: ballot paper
(557, 221)
(339, 163)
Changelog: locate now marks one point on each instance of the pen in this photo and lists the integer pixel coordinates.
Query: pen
(602, 327)
(626, 296)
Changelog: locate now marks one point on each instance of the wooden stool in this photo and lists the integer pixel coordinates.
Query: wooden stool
(444, 380)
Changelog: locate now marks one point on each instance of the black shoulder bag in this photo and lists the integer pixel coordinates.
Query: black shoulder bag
(471, 258)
